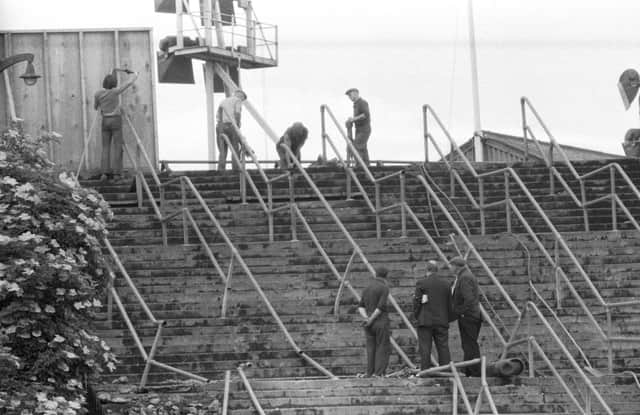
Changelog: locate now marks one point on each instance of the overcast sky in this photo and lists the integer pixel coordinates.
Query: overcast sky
(565, 55)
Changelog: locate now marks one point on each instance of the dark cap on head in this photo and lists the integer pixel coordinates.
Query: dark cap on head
(458, 261)
(350, 90)
(432, 266)
(240, 91)
(381, 272)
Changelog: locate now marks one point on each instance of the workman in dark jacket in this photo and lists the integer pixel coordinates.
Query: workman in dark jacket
(362, 121)
(431, 306)
(466, 305)
(373, 307)
(294, 137)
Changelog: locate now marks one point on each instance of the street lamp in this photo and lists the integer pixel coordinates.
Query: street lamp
(29, 76)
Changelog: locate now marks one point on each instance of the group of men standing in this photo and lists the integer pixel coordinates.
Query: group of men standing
(228, 118)
(441, 297)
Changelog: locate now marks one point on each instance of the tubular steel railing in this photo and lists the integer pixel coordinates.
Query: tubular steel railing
(187, 187)
(149, 358)
(511, 209)
(532, 310)
(377, 209)
(297, 213)
(242, 34)
(458, 386)
(405, 210)
(613, 168)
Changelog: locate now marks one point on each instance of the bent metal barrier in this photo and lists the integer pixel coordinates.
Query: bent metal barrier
(606, 335)
(507, 344)
(296, 212)
(614, 169)
(405, 210)
(186, 184)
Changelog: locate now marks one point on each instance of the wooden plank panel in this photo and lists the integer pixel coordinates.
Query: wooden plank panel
(134, 53)
(4, 120)
(29, 100)
(98, 62)
(66, 105)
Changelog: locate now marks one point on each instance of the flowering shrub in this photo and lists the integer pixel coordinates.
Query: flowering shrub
(51, 279)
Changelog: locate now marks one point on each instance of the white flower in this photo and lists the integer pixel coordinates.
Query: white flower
(67, 180)
(49, 309)
(97, 303)
(9, 180)
(51, 405)
(92, 198)
(73, 292)
(4, 240)
(60, 291)
(58, 339)
(70, 355)
(74, 404)
(78, 305)
(111, 366)
(41, 396)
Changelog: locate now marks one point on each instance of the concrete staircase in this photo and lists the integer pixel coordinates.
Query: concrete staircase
(181, 287)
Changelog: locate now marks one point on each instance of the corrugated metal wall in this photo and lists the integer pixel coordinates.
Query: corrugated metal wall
(73, 64)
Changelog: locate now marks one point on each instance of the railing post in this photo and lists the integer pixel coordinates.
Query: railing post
(556, 273)
(139, 195)
(227, 287)
(403, 213)
(243, 181)
(583, 199)
(323, 130)
(270, 206)
(614, 214)
(552, 185)
(152, 353)
(452, 183)
(349, 195)
(378, 224)
(425, 130)
(587, 400)
(454, 410)
(609, 342)
(525, 134)
(292, 207)
(185, 225)
(507, 197)
(532, 369)
(481, 197)
(179, 34)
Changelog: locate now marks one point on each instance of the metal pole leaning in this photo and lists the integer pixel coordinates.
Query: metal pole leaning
(152, 353)
(252, 395)
(225, 396)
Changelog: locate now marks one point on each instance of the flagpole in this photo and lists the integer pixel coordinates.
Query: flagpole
(477, 135)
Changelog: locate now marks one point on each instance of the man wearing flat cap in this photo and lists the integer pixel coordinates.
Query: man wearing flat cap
(431, 307)
(466, 305)
(373, 308)
(229, 113)
(362, 121)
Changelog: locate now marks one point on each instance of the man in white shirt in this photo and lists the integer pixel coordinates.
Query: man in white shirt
(229, 113)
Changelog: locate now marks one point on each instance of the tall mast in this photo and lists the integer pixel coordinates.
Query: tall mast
(477, 134)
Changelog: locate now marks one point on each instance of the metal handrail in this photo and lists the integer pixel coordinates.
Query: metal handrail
(377, 209)
(510, 207)
(149, 358)
(533, 345)
(186, 184)
(274, 137)
(581, 201)
(405, 209)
